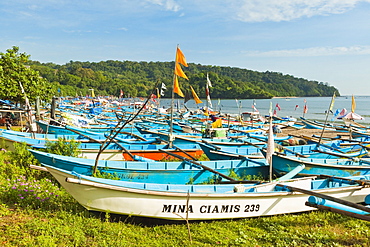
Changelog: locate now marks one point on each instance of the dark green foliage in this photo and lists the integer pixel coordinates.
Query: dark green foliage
(138, 79)
(13, 71)
(63, 147)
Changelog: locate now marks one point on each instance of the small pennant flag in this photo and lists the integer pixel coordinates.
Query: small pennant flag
(209, 81)
(163, 87)
(176, 87)
(305, 109)
(195, 96)
(180, 58)
(278, 107)
(187, 96)
(353, 104)
(332, 103)
(254, 108)
(92, 93)
(179, 72)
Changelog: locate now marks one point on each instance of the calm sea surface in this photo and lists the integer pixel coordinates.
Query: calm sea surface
(316, 106)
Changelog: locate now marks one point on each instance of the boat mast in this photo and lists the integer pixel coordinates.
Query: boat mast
(170, 134)
(326, 119)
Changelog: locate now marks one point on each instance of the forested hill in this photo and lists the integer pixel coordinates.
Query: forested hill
(140, 78)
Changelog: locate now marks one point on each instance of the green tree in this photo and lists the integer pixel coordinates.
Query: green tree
(13, 71)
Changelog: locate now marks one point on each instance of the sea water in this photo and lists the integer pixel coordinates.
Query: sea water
(289, 107)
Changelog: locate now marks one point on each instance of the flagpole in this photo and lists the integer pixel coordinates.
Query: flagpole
(170, 134)
(179, 59)
(208, 97)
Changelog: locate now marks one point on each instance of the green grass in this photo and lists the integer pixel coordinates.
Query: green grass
(49, 216)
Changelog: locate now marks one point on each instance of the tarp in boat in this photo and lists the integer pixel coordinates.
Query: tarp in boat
(353, 116)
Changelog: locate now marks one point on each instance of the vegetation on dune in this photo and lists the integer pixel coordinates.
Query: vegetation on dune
(34, 209)
(138, 78)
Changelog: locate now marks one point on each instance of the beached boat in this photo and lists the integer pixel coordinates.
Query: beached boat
(58, 129)
(214, 152)
(316, 166)
(317, 125)
(41, 140)
(202, 202)
(184, 172)
(129, 152)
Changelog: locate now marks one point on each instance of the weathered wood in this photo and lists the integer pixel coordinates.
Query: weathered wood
(123, 148)
(183, 151)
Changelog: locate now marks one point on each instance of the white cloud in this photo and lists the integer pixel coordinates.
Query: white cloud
(311, 52)
(285, 10)
(169, 5)
(123, 29)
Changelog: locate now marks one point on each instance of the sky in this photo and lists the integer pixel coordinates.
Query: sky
(321, 40)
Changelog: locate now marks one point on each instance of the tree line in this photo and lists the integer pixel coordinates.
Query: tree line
(138, 79)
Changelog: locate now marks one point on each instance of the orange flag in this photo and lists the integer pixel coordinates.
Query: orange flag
(195, 96)
(180, 58)
(176, 87)
(179, 72)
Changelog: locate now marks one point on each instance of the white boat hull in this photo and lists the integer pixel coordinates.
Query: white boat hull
(201, 206)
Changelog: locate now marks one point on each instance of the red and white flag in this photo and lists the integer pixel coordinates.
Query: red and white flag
(305, 109)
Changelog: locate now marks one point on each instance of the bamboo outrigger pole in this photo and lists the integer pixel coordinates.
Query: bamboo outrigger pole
(326, 119)
(114, 133)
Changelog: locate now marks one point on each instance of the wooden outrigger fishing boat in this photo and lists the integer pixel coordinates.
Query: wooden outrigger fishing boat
(203, 202)
(175, 172)
(342, 167)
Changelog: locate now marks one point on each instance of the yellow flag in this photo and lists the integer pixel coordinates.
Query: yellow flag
(217, 123)
(195, 96)
(180, 58)
(92, 93)
(332, 103)
(179, 72)
(353, 103)
(176, 87)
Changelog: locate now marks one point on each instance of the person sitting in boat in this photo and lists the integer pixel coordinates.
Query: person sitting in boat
(213, 118)
(276, 129)
(8, 123)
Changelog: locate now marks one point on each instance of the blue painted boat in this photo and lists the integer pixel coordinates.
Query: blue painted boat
(214, 152)
(317, 125)
(183, 172)
(84, 136)
(317, 166)
(54, 129)
(116, 151)
(201, 202)
(39, 141)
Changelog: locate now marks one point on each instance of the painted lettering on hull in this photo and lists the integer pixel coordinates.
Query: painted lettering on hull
(211, 209)
(177, 209)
